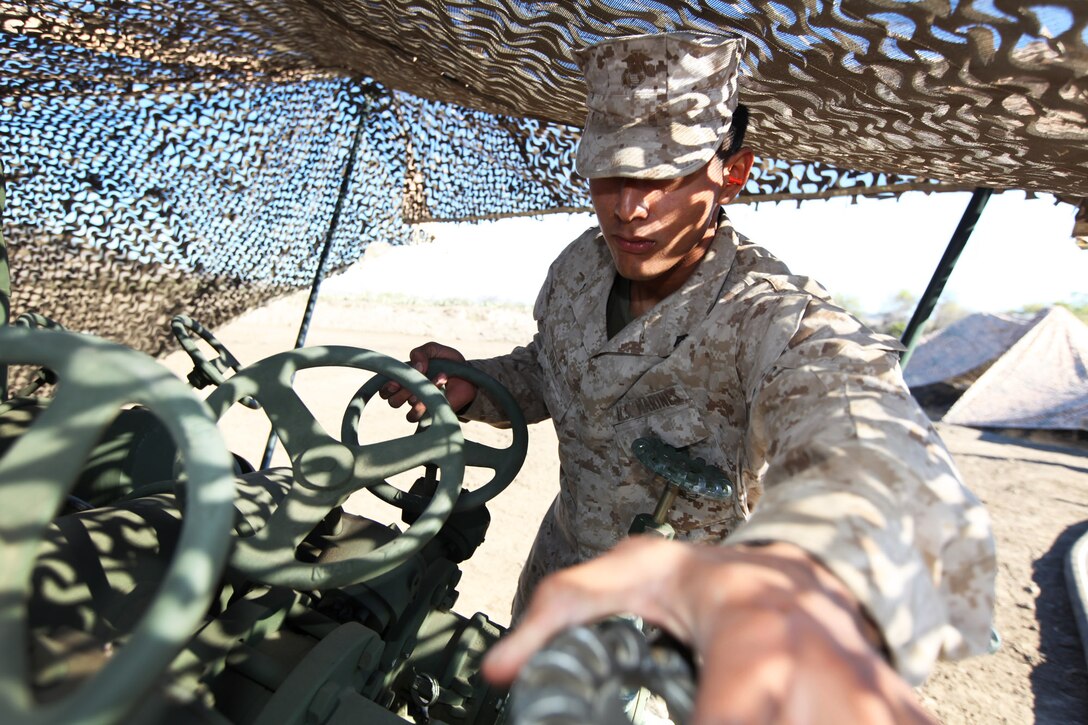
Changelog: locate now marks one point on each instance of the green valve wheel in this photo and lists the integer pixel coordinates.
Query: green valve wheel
(96, 379)
(326, 471)
(505, 462)
(206, 371)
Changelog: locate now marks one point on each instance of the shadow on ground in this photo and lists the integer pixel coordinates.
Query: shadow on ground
(1060, 681)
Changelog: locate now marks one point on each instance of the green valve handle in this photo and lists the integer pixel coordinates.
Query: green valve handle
(678, 468)
(681, 472)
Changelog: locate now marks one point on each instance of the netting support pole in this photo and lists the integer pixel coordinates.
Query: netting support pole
(322, 262)
(930, 297)
(5, 287)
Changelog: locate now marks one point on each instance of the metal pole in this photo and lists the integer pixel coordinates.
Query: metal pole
(928, 303)
(5, 286)
(319, 274)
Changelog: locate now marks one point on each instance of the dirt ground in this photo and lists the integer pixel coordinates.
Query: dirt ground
(1037, 495)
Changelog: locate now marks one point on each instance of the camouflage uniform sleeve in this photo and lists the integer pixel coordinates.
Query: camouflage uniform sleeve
(520, 373)
(854, 473)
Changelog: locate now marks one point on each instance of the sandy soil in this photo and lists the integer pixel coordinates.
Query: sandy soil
(1037, 495)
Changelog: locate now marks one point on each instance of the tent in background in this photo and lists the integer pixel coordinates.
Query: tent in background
(1017, 373)
(958, 354)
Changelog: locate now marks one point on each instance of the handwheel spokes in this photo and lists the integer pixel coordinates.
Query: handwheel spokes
(379, 461)
(324, 463)
(292, 521)
(480, 455)
(505, 462)
(327, 471)
(295, 426)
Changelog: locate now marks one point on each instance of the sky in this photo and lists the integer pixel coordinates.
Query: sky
(1021, 252)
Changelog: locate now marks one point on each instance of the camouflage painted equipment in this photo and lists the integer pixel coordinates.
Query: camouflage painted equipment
(658, 105)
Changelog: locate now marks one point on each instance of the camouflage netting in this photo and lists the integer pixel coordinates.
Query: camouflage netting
(188, 155)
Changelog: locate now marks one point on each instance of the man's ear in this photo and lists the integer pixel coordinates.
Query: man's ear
(736, 169)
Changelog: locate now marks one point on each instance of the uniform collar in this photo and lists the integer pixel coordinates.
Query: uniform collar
(665, 325)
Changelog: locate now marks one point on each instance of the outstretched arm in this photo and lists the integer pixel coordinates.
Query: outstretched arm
(779, 638)
(856, 476)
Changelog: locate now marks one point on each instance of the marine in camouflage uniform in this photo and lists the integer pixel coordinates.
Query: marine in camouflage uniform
(752, 368)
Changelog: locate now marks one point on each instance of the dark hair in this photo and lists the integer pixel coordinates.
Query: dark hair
(734, 140)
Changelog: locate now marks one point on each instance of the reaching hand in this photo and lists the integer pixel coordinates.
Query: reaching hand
(779, 638)
(459, 392)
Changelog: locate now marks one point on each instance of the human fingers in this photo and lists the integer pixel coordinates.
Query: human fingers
(388, 391)
(395, 394)
(419, 358)
(554, 608)
(403, 395)
(417, 410)
(459, 392)
(432, 350)
(623, 580)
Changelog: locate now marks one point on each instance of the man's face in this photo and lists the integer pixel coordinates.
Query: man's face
(657, 226)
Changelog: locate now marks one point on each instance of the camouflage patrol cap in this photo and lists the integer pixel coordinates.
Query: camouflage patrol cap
(659, 105)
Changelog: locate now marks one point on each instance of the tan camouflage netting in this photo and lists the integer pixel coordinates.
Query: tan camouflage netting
(187, 156)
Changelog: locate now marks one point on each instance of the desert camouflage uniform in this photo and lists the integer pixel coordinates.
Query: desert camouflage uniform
(757, 371)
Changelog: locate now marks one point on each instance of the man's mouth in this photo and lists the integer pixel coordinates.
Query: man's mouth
(632, 245)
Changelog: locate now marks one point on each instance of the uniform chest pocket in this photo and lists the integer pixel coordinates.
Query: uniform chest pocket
(683, 426)
(679, 425)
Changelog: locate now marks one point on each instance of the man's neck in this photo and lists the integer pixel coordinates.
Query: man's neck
(647, 293)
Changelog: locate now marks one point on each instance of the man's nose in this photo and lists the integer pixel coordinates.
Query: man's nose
(632, 203)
